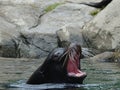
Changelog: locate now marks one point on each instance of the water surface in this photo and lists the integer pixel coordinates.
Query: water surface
(100, 76)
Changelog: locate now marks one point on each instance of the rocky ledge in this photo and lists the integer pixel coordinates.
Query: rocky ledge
(31, 29)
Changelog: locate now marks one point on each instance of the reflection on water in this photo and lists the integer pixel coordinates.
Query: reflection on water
(101, 76)
(51, 86)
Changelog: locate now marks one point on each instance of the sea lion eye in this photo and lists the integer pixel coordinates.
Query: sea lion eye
(58, 53)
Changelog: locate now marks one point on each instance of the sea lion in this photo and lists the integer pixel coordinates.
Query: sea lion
(61, 66)
(101, 4)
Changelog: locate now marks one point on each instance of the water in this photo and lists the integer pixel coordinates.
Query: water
(101, 76)
(51, 86)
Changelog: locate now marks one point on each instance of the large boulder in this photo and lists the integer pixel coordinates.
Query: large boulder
(67, 21)
(23, 16)
(64, 15)
(103, 32)
(30, 45)
(70, 33)
(16, 39)
(26, 30)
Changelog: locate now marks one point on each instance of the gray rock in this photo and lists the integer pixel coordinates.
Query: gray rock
(27, 31)
(103, 32)
(70, 33)
(23, 16)
(105, 56)
(66, 19)
(64, 15)
(16, 18)
(28, 45)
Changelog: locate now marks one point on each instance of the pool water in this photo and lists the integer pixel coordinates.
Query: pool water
(100, 76)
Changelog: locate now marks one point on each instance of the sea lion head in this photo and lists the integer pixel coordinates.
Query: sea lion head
(67, 61)
(61, 66)
(73, 64)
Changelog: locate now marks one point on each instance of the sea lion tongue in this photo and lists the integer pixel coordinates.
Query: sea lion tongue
(72, 67)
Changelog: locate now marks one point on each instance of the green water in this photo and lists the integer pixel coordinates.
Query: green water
(104, 74)
(100, 76)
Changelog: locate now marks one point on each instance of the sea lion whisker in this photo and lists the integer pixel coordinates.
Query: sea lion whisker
(66, 59)
(71, 56)
(68, 50)
(63, 55)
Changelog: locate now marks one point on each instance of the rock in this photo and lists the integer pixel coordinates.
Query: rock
(64, 15)
(16, 18)
(103, 32)
(30, 45)
(105, 56)
(23, 16)
(79, 1)
(7, 31)
(71, 30)
(26, 30)
(40, 3)
(63, 37)
(70, 33)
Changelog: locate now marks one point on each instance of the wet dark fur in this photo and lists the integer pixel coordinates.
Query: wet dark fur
(101, 4)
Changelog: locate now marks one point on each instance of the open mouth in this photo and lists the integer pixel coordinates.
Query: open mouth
(73, 67)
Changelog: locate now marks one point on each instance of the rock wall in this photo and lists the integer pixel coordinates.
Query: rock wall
(27, 30)
(103, 32)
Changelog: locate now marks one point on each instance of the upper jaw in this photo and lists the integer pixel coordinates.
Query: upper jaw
(74, 71)
(73, 67)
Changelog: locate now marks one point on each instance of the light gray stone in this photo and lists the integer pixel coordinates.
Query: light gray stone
(70, 33)
(103, 32)
(26, 30)
(66, 14)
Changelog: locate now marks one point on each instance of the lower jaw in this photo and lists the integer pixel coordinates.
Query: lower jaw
(77, 76)
(76, 80)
